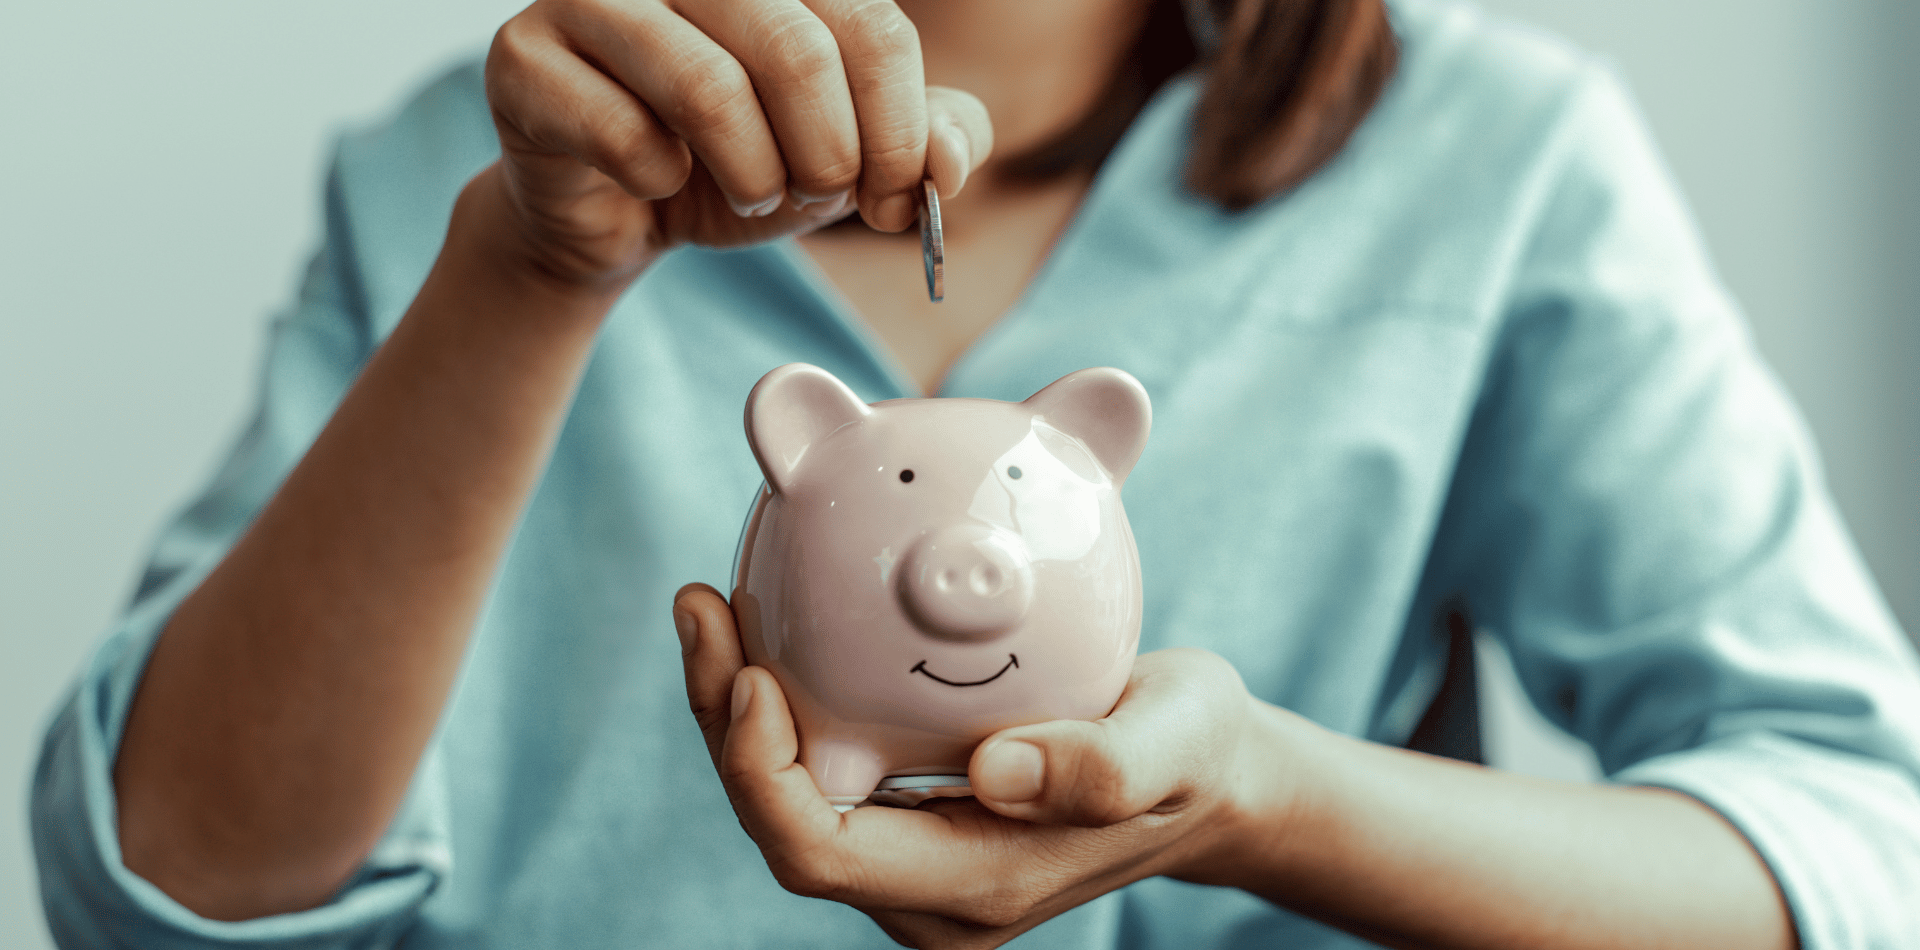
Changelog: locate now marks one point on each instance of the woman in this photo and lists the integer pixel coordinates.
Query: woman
(1426, 332)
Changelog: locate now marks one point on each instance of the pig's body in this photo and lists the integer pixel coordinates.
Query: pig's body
(907, 618)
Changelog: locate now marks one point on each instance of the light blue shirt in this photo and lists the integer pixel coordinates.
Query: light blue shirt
(1480, 358)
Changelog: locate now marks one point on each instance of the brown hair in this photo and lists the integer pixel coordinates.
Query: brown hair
(1285, 84)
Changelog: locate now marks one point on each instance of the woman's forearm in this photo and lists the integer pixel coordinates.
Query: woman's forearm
(1412, 850)
(286, 705)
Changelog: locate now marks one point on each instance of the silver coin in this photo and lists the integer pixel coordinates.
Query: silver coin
(933, 249)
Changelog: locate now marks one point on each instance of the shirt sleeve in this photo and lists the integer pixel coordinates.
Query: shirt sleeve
(316, 348)
(1640, 516)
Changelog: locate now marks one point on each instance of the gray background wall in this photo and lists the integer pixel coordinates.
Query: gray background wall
(157, 193)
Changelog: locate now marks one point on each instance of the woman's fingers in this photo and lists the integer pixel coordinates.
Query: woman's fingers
(1172, 728)
(710, 650)
(959, 137)
(772, 794)
(880, 52)
(954, 873)
(557, 112)
(787, 113)
(870, 857)
(749, 731)
(696, 87)
(794, 62)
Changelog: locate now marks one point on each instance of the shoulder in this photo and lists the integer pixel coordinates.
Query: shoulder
(1513, 118)
(1440, 193)
(1505, 108)
(1501, 113)
(394, 182)
(444, 124)
(1472, 77)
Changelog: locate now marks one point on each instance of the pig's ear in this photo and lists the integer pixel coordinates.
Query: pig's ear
(1105, 408)
(790, 410)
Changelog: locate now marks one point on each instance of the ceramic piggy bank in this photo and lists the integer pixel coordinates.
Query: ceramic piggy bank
(921, 573)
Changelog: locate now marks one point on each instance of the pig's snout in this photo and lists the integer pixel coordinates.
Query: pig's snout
(968, 582)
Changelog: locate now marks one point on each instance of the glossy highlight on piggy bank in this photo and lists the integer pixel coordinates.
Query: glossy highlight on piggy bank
(921, 573)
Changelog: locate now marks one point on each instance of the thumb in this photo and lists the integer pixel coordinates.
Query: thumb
(1169, 733)
(959, 137)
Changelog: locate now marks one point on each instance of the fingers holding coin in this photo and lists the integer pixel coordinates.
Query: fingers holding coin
(959, 138)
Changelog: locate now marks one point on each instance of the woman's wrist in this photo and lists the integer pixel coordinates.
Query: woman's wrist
(1271, 797)
(503, 270)
(1398, 846)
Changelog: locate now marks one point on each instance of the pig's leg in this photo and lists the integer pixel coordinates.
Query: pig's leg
(845, 770)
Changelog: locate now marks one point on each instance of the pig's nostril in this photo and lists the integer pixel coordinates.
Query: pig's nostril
(967, 582)
(986, 580)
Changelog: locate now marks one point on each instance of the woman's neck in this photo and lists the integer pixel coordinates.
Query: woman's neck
(1038, 65)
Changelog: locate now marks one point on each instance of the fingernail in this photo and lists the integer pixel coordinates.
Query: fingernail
(760, 210)
(1011, 772)
(686, 626)
(742, 694)
(829, 206)
(893, 210)
(800, 197)
(956, 143)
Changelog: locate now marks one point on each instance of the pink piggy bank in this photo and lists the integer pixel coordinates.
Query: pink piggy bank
(921, 573)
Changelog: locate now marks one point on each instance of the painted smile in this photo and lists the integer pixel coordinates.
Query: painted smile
(921, 667)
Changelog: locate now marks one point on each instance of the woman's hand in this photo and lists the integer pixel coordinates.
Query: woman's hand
(628, 127)
(1066, 811)
(1193, 778)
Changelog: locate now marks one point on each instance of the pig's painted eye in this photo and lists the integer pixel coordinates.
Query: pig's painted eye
(906, 474)
(1013, 471)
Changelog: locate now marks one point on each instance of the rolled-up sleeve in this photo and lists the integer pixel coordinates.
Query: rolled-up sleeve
(316, 348)
(1639, 514)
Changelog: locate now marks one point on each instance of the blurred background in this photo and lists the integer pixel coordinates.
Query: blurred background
(159, 193)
